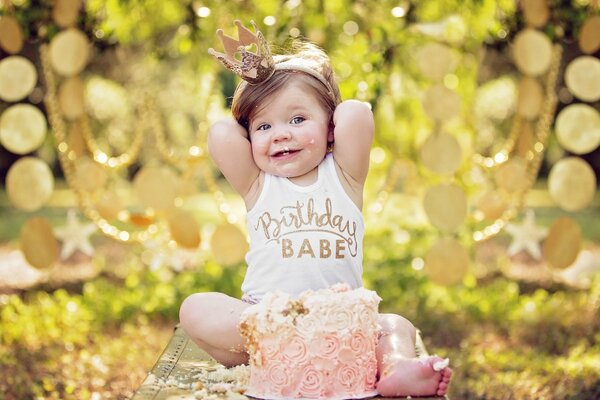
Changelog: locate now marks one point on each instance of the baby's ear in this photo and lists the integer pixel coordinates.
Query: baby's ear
(330, 136)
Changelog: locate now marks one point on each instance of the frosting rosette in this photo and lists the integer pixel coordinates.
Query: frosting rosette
(278, 376)
(295, 350)
(311, 383)
(269, 347)
(307, 325)
(325, 345)
(350, 379)
(339, 318)
(359, 343)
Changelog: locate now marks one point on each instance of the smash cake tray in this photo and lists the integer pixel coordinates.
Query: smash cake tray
(186, 372)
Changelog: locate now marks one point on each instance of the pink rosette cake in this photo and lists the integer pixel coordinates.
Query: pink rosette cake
(318, 346)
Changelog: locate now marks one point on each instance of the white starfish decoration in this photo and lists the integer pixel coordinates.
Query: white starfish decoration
(75, 236)
(526, 236)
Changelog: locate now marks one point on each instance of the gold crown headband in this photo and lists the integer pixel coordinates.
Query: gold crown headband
(257, 67)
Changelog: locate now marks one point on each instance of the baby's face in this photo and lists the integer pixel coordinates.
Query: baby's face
(289, 134)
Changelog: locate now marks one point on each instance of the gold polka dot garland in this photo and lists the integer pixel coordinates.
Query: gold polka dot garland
(563, 243)
(577, 128)
(531, 98)
(69, 52)
(18, 77)
(532, 52)
(71, 98)
(65, 12)
(38, 244)
(446, 206)
(184, 228)
(29, 183)
(536, 12)
(589, 36)
(228, 244)
(572, 183)
(11, 35)
(22, 128)
(447, 262)
(582, 77)
(441, 153)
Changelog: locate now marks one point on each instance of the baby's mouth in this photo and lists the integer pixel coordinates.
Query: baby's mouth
(286, 151)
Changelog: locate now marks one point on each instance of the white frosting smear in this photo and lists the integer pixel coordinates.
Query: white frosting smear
(440, 365)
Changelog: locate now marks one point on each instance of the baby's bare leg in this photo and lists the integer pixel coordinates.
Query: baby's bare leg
(211, 321)
(401, 373)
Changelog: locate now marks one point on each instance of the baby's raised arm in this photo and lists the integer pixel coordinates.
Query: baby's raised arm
(230, 149)
(353, 135)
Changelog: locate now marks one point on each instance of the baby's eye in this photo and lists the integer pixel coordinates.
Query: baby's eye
(263, 127)
(297, 120)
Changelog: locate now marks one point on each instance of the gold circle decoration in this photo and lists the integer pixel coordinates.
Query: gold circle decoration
(512, 175)
(22, 128)
(446, 262)
(38, 244)
(531, 98)
(11, 35)
(109, 205)
(69, 51)
(184, 228)
(536, 12)
(441, 103)
(445, 206)
(441, 153)
(532, 52)
(65, 12)
(17, 78)
(71, 97)
(435, 60)
(156, 187)
(491, 205)
(589, 35)
(228, 245)
(29, 183)
(563, 243)
(572, 183)
(578, 128)
(90, 176)
(582, 77)
(75, 139)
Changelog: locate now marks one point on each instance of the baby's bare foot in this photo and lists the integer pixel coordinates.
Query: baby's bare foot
(427, 376)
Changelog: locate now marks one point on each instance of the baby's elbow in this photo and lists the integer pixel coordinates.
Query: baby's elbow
(222, 126)
(355, 110)
(224, 129)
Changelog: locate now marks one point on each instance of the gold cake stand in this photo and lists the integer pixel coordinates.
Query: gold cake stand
(182, 360)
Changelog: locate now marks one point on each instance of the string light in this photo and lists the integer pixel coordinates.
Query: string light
(67, 161)
(542, 130)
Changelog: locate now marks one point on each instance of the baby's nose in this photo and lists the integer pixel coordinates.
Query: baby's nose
(281, 133)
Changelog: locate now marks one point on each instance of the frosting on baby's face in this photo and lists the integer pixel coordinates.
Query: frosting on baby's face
(289, 135)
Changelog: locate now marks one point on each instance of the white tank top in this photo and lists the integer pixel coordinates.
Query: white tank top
(303, 237)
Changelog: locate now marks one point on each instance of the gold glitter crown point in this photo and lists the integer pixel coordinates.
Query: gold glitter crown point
(252, 67)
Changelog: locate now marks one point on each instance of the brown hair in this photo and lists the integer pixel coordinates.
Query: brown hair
(249, 99)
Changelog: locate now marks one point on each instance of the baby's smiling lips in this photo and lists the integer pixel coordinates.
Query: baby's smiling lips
(284, 153)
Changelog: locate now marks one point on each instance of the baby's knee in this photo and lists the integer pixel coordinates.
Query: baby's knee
(196, 313)
(398, 324)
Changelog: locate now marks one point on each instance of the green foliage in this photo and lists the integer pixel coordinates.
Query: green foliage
(38, 326)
